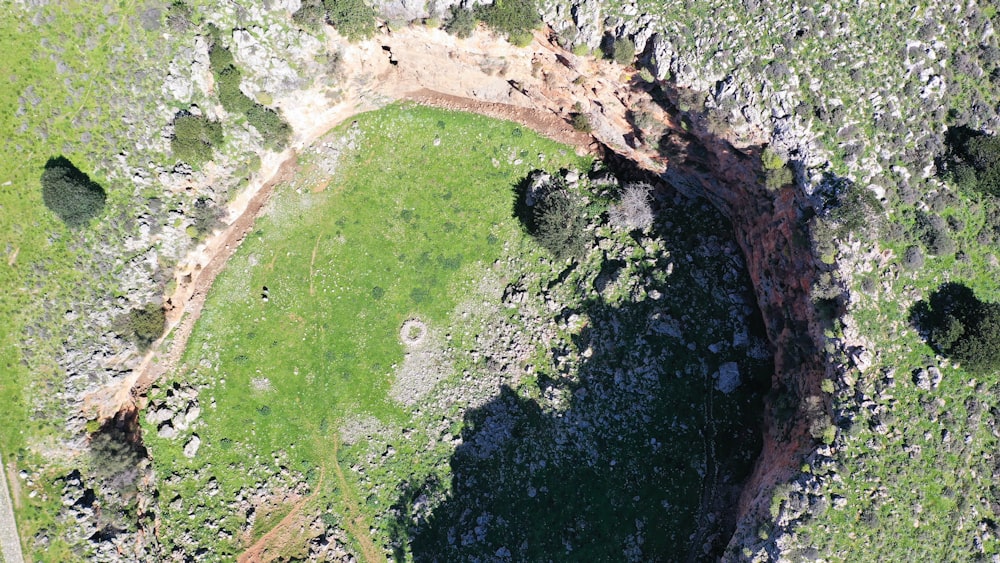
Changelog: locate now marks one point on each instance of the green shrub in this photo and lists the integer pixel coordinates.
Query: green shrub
(514, 19)
(972, 161)
(311, 15)
(961, 326)
(622, 51)
(179, 16)
(581, 122)
(69, 193)
(266, 121)
(559, 221)
(227, 83)
(461, 23)
(194, 138)
(353, 19)
(142, 326)
(270, 125)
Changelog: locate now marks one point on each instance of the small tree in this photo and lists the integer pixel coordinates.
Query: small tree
(143, 326)
(559, 221)
(959, 325)
(270, 125)
(69, 193)
(514, 19)
(354, 19)
(195, 137)
(972, 161)
(622, 51)
(461, 23)
(311, 15)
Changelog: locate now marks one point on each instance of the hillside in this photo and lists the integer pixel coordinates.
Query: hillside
(247, 318)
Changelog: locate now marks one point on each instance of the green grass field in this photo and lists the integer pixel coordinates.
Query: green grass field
(414, 214)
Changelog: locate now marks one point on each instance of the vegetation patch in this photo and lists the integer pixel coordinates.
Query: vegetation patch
(71, 194)
(574, 385)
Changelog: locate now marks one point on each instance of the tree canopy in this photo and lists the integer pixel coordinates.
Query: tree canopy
(69, 193)
(961, 326)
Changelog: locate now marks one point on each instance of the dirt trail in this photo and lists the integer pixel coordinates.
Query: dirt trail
(355, 521)
(257, 552)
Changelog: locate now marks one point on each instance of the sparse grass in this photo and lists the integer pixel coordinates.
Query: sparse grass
(70, 72)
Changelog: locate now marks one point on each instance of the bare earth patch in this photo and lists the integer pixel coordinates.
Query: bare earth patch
(424, 365)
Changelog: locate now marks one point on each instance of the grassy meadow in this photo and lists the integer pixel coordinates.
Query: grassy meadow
(414, 213)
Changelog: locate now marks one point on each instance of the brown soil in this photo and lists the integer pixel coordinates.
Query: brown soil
(268, 547)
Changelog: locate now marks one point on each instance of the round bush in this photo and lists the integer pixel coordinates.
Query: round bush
(69, 193)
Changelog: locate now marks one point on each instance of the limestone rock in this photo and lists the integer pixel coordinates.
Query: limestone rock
(728, 378)
(191, 448)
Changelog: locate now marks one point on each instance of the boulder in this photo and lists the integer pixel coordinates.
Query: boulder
(191, 448)
(728, 378)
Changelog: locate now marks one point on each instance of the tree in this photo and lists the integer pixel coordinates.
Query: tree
(354, 19)
(621, 50)
(461, 23)
(514, 19)
(143, 326)
(270, 125)
(69, 193)
(559, 221)
(311, 15)
(961, 326)
(195, 136)
(972, 161)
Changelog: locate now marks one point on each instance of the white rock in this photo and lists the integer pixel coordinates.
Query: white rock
(191, 448)
(728, 378)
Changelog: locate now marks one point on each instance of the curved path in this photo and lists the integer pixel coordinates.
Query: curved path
(10, 542)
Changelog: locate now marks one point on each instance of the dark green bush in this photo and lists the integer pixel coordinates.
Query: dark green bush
(514, 19)
(227, 83)
(69, 193)
(972, 160)
(143, 326)
(270, 125)
(266, 121)
(961, 326)
(581, 122)
(353, 19)
(622, 51)
(851, 208)
(311, 15)
(559, 221)
(461, 23)
(195, 136)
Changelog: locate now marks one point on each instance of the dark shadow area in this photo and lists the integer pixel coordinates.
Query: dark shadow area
(971, 160)
(639, 452)
(957, 324)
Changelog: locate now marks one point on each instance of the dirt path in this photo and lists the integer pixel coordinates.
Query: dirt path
(543, 122)
(10, 541)
(355, 520)
(256, 553)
